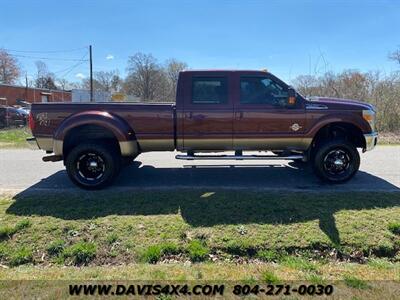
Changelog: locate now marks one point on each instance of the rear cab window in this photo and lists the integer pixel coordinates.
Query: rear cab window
(209, 90)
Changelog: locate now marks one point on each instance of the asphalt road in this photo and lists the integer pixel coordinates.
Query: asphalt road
(23, 170)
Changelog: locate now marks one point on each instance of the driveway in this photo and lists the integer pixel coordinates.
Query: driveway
(380, 171)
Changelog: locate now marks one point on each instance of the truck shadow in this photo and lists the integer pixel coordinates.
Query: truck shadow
(208, 204)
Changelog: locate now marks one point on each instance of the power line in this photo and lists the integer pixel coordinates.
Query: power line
(53, 51)
(71, 68)
(82, 61)
(47, 58)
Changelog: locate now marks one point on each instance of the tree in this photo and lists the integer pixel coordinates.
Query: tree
(9, 68)
(105, 81)
(64, 84)
(44, 79)
(395, 55)
(145, 77)
(172, 69)
(151, 81)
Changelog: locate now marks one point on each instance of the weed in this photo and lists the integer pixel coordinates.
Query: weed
(270, 277)
(152, 254)
(315, 279)
(394, 227)
(112, 238)
(197, 250)
(21, 256)
(56, 247)
(6, 232)
(22, 225)
(82, 252)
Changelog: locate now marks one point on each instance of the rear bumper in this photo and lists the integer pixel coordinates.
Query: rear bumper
(371, 139)
(32, 143)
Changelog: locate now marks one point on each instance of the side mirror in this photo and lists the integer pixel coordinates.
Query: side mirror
(292, 95)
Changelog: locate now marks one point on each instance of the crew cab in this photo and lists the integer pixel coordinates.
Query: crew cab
(215, 111)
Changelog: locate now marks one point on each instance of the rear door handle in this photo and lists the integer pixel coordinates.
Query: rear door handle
(198, 117)
(239, 115)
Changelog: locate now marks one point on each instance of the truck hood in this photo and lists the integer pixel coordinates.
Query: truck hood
(337, 103)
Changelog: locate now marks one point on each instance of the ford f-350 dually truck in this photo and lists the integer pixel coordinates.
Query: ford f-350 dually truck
(215, 111)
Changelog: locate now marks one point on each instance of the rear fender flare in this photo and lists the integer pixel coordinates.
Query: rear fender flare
(121, 130)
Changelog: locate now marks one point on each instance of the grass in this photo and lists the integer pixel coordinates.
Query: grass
(354, 282)
(295, 232)
(14, 138)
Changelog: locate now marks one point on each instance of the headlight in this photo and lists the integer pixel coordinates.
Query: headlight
(369, 116)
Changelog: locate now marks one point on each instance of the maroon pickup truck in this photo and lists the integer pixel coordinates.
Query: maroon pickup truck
(215, 111)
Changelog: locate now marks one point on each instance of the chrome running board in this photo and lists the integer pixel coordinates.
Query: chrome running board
(238, 157)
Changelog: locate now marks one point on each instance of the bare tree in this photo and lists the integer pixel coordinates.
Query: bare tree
(105, 81)
(145, 76)
(172, 69)
(44, 79)
(64, 84)
(9, 68)
(383, 92)
(395, 55)
(150, 80)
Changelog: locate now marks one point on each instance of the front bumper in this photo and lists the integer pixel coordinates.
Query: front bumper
(32, 143)
(371, 139)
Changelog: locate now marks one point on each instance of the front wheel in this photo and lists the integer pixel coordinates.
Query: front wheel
(92, 165)
(336, 161)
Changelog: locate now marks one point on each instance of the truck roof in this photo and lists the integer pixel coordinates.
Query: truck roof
(224, 70)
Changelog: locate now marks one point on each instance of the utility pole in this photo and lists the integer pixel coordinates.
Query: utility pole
(91, 73)
(26, 86)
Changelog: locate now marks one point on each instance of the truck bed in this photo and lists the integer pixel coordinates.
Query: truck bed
(153, 124)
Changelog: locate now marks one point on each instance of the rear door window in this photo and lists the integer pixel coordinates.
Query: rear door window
(209, 90)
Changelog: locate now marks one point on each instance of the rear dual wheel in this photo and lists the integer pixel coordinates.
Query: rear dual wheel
(93, 165)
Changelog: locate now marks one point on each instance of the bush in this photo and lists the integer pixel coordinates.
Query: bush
(82, 252)
(394, 227)
(21, 256)
(197, 250)
(56, 247)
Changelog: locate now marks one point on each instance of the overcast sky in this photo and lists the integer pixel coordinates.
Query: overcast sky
(286, 37)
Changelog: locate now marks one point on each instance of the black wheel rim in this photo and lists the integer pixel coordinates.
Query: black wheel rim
(337, 162)
(90, 167)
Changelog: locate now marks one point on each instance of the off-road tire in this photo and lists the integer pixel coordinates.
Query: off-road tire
(78, 160)
(340, 151)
